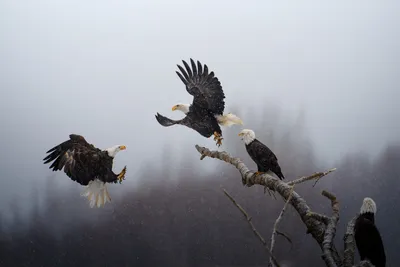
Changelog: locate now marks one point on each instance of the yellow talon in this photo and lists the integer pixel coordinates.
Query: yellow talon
(219, 142)
(218, 138)
(121, 175)
(258, 173)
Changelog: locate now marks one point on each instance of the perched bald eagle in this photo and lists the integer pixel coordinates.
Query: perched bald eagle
(87, 165)
(265, 159)
(368, 239)
(205, 114)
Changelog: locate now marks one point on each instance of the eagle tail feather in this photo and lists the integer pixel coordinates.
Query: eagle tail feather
(96, 193)
(228, 120)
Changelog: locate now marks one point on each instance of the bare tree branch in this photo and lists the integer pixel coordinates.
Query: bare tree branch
(349, 244)
(274, 231)
(314, 226)
(317, 176)
(330, 231)
(320, 217)
(285, 236)
(248, 218)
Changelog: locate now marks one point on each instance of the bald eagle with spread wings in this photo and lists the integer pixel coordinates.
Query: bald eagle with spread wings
(88, 166)
(205, 114)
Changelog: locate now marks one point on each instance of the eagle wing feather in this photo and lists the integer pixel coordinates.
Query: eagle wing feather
(203, 86)
(82, 162)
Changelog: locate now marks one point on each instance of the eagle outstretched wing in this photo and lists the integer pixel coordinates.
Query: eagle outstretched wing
(164, 121)
(203, 86)
(204, 124)
(82, 162)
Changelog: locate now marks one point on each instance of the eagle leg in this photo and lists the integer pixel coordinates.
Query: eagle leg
(258, 173)
(121, 175)
(218, 138)
(219, 142)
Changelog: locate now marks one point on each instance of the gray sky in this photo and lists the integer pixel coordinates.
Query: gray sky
(104, 68)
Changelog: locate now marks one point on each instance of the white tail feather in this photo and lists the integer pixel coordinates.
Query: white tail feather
(228, 119)
(97, 193)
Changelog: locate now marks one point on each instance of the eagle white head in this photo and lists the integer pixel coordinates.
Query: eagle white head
(112, 151)
(247, 135)
(368, 206)
(181, 107)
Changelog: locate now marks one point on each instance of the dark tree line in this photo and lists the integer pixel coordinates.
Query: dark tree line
(189, 222)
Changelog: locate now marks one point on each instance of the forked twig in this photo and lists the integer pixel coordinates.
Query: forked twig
(248, 219)
(317, 176)
(274, 231)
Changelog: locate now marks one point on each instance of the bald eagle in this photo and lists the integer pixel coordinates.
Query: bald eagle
(265, 159)
(368, 239)
(88, 166)
(205, 114)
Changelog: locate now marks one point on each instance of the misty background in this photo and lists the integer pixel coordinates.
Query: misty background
(318, 83)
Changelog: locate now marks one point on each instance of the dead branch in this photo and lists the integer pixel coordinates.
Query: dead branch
(349, 244)
(330, 231)
(314, 226)
(248, 219)
(274, 231)
(320, 217)
(285, 236)
(317, 176)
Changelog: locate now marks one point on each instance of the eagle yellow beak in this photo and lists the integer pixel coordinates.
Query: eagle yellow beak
(174, 107)
(240, 134)
(122, 147)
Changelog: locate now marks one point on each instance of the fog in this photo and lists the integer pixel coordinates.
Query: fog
(327, 72)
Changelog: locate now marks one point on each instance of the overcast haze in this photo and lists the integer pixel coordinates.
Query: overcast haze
(104, 68)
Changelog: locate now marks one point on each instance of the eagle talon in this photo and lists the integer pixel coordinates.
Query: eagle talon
(219, 142)
(258, 173)
(216, 136)
(121, 176)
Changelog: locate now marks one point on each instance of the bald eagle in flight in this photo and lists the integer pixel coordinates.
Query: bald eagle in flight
(87, 165)
(205, 114)
(265, 159)
(368, 239)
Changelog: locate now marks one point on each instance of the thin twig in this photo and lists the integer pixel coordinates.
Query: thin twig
(317, 176)
(285, 236)
(274, 231)
(248, 219)
(330, 231)
(349, 244)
